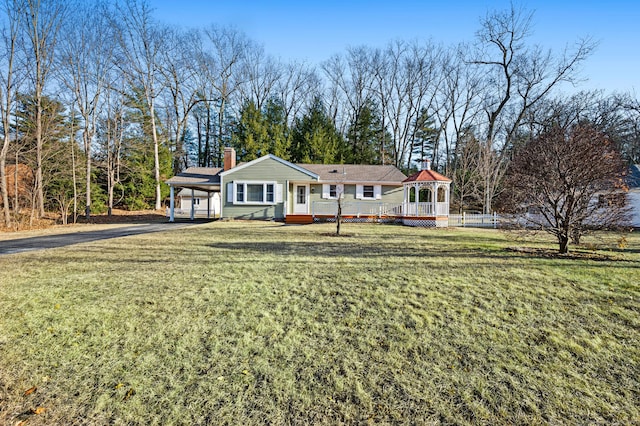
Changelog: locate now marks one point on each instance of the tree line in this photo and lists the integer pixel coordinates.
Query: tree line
(102, 102)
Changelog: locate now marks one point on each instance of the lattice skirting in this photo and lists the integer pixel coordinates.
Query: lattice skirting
(362, 219)
(428, 222)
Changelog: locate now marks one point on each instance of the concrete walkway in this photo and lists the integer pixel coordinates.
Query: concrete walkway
(21, 245)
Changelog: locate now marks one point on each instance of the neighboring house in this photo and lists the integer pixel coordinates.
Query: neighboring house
(272, 188)
(20, 181)
(633, 196)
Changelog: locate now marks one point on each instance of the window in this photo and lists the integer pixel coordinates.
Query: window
(367, 191)
(240, 192)
(270, 193)
(302, 195)
(332, 191)
(254, 193)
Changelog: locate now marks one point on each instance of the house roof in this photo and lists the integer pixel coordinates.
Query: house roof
(205, 178)
(427, 176)
(208, 178)
(355, 173)
(186, 192)
(272, 157)
(633, 178)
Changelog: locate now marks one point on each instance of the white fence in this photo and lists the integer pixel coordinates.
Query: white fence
(473, 220)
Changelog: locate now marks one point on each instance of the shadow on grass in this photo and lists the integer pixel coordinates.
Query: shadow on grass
(335, 249)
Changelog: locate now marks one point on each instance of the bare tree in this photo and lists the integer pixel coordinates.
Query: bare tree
(179, 70)
(518, 76)
(296, 89)
(86, 58)
(351, 78)
(456, 107)
(405, 83)
(142, 41)
(261, 74)
(8, 88)
(570, 180)
(111, 135)
(223, 66)
(42, 23)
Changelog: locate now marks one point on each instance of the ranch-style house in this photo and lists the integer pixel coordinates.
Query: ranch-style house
(270, 188)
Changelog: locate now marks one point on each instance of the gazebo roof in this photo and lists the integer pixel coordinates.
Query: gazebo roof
(426, 176)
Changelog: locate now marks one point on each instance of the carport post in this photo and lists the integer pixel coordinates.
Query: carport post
(193, 203)
(171, 204)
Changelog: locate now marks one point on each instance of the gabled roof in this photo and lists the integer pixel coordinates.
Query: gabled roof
(205, 178)
(272, 157)
(356, 173)
(427, 176)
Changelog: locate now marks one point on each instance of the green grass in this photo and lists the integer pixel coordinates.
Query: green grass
(258, 323)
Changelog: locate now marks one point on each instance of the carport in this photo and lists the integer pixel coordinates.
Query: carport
(206, 179)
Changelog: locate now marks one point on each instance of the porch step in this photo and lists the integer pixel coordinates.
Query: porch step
(299, 219)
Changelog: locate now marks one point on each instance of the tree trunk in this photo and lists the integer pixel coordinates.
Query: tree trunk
(156, 155)
(39, 201)
(87, 149)
(339, 216)
(563, 243)
(4, 189)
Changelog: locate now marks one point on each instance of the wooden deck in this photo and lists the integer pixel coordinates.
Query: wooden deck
(298, 219)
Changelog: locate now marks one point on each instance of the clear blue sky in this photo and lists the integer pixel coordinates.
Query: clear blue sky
(314, 30)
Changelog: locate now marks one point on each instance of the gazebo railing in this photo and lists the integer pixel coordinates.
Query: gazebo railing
(426, 209)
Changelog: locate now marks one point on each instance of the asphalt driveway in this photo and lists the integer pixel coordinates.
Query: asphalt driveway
(61, 240)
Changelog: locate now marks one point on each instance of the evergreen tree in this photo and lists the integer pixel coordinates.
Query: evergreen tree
(425, 138)
(315, 138)
(364, 136)
(277, 129)
(258, 133)
(249, 136)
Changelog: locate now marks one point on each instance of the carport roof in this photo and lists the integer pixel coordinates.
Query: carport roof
(203, 178)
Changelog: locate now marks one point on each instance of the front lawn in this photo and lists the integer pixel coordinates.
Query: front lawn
(259, 323)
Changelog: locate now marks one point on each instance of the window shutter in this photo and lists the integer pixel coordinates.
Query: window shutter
(325, 190)
(359, 191)
(340, 190)
(278, 193)
(377, 191)
(230, 192)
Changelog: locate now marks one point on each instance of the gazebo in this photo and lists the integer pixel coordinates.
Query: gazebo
(426, 198)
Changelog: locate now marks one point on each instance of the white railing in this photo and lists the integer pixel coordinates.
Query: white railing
(330, 208)
(200, 213)
(426, 209)
(473, 220)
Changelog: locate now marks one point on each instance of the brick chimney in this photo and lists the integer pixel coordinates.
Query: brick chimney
(229, 158)
(426, 164)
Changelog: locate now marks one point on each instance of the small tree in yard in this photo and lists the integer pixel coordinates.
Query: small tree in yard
(571, 180)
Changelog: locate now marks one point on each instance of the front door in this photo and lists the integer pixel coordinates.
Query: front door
(301, 202)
